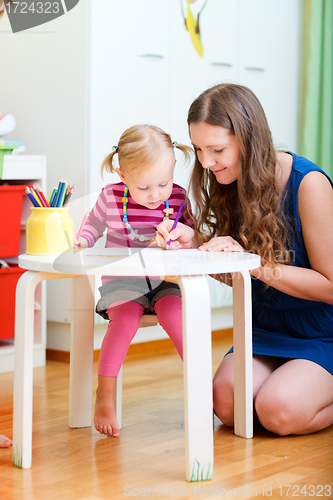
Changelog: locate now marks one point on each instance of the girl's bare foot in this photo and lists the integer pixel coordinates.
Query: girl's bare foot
(105, 419)
(5, 442)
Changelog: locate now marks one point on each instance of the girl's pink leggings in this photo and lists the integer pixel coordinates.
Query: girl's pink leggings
(123, 325)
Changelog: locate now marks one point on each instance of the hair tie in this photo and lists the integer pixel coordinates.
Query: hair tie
(114, 149)
(175, 144)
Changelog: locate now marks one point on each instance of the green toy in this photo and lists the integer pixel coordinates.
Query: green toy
(5, 149)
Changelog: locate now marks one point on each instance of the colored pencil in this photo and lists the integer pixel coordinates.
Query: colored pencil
(43, 196)
(54, 198)
(62, 190)
(36, 198)
(39, 195)
(56, 201)
(176, 220)
(68, 195)
(32, 198)
(58, 198)
(62, 196)
(51, 197)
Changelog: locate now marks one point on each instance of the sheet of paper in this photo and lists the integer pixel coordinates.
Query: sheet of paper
(124, 252)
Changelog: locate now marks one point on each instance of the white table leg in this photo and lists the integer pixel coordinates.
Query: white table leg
(197, 348)
(23, 368)
(242, 319)
(81, 352)
(23, 364)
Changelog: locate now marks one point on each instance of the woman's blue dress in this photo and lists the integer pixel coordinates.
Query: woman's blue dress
(284, 325)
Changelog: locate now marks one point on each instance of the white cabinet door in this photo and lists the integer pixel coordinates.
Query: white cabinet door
(191, 73)
(129, 72)
(268, 62)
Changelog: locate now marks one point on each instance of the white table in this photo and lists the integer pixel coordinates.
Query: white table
(187, 268)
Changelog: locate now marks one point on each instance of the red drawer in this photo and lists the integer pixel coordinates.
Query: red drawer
(8, 281)
(11, 200)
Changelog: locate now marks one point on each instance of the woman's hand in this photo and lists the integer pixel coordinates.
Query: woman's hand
(221, 244)
(81, 243)
(181, 237)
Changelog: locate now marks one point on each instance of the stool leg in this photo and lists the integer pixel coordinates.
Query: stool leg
(243, 372)
(119, 396)
(81, 352)
(23, 368)
(197, 349)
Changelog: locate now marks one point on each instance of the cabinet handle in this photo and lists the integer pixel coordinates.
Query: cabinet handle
(156, 56)
(254, 68)
(227, 65)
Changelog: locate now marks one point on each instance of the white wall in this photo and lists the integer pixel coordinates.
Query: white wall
(42, 83)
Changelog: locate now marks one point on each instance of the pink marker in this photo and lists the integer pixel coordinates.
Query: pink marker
(176, 220)
(82, 224)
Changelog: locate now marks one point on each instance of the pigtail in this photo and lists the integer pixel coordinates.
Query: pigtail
(186, 150)
(107, 164)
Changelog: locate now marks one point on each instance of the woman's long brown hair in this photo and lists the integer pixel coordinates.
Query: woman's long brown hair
(249, 209)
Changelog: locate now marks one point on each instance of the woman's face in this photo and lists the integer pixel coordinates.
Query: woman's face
(217, 150)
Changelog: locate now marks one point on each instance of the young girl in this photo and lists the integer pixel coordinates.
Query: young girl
(279, 205)
(5, 442)
(131, 210)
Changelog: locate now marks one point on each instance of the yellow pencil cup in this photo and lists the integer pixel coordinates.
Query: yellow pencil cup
(49, 231)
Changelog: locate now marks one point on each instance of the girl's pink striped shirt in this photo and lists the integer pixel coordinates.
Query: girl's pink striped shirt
(107, 213)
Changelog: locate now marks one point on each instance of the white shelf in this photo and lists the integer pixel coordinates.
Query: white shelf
(25, 168)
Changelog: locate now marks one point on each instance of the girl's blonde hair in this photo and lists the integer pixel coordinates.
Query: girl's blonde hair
(249, 209)
(139, 147)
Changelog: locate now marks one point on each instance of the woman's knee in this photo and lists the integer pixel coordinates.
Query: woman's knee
(276, 413)
(223, 393)
(223, 405)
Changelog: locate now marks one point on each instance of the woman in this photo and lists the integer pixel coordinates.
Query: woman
(251, 197)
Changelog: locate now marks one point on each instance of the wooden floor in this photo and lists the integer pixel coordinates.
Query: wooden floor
(148, 460)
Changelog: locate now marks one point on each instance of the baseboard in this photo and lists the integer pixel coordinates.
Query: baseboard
(139, 348)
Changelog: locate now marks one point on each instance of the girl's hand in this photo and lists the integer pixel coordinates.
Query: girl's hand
(222, 244)
(181, 237)
(81, 242)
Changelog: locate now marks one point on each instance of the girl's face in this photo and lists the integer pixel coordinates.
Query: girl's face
(217, 150)
(152, 187)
